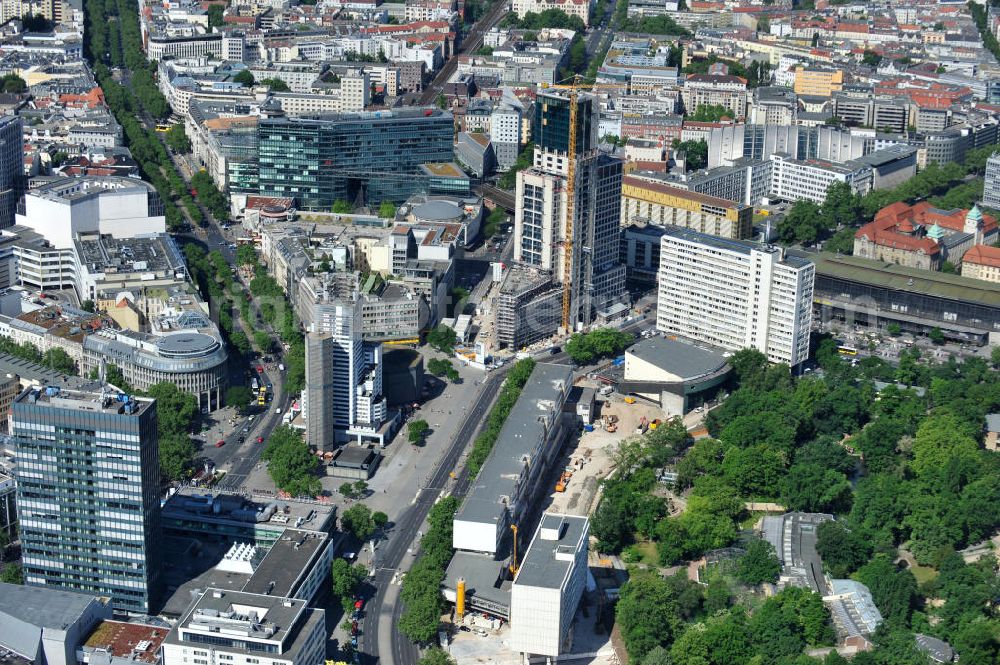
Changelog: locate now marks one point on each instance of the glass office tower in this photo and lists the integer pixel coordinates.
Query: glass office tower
(355, 157)
(88, 476)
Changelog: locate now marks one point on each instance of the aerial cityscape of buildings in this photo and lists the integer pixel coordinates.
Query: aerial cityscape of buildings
(463, 331)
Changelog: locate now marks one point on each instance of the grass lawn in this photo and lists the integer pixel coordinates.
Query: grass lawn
(649, 555)
(923, 573)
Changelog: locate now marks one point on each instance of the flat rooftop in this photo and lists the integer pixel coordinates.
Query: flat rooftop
(501, 473)
(286, 562)
(105, 253)
(679, 357)
(235, 613)
(521, 278)
(444, 170)
(134, 641)
(30, 371)
(550, 556)
(68, 189)
(213, 506)
(664, 187)
(729, 245)
(485, 577)
(42, 607)
(111, 402)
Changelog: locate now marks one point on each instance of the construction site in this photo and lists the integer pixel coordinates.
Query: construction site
(488, 580)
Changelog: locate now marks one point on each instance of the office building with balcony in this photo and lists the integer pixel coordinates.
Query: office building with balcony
(88, 481)
(735, 294)
(343, 399)
(794, 179)
(222, 626)
(354, 157)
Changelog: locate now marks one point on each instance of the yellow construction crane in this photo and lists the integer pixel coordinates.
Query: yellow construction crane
(573, 88)
(513, 563)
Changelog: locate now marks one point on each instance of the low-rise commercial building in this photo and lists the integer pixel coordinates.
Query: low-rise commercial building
(120, 643)
(549, 583)
(47, 625)
(674, 373)
(872, 294)
(506, 491)
(237, 627)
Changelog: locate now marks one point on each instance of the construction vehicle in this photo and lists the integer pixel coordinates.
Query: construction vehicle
(574, 88)
(643, 426)
(655, 424)
(612, 427)
(629, 400)
(563, 481)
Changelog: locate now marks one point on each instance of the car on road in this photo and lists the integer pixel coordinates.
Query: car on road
(260, 439)
(260, 369)
(220, 443)
(242, 439)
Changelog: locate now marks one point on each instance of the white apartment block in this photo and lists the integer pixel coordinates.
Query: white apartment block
(505, 133)
(794, 179)
(239, 628)
(735, 294)
(991, 190)
(579, 8)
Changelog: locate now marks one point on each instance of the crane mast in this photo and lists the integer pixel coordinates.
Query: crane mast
(567, 296)
(568, 244)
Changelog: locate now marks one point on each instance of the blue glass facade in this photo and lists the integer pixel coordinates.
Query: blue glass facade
(357, 157)
(551, 130)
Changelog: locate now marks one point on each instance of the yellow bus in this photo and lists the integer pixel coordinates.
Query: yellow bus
(163, 128)
(847, 351)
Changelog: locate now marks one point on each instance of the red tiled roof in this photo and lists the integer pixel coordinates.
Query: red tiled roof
(983, 255)
(259, 202)
(894, 222)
